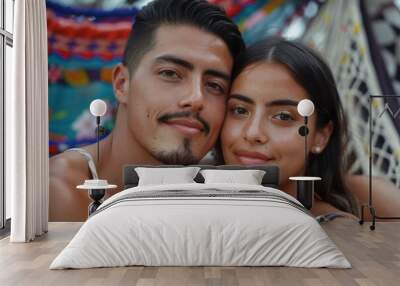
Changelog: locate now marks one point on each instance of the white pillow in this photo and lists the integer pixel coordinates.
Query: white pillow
(248, 177)
(162, 176)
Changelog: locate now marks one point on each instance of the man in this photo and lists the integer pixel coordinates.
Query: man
(171, 88)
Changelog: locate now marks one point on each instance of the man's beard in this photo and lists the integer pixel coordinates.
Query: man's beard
(181, 156)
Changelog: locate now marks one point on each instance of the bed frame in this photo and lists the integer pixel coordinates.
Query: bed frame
(270, 179)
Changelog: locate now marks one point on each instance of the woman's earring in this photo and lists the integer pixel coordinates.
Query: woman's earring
(317, 149)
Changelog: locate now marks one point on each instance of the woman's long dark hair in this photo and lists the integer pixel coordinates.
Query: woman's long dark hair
(314, 75)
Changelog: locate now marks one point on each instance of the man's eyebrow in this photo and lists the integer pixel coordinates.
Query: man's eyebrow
(241, 98)
(175, 60)
(188, 65)
(220, 74)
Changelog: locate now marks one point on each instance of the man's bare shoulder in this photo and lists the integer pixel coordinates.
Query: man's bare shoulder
(66, 171)
(66, 161)
(69, 168)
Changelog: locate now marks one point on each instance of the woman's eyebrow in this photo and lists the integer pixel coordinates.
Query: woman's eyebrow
(278, 102)
(241, 98)
(282, 102)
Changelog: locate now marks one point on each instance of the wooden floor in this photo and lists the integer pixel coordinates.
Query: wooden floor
(375, 256)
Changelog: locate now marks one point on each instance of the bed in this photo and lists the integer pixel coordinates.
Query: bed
(201, 224)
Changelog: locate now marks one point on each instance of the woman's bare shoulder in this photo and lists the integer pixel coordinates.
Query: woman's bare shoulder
(322, 208)
(359, 185)
(385, 194)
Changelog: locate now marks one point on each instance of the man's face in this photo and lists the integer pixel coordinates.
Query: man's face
(176, 97)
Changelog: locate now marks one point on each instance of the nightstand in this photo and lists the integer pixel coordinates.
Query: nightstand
(96, 189)
(305, 189)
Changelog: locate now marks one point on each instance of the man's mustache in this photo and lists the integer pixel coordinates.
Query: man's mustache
(184, 114)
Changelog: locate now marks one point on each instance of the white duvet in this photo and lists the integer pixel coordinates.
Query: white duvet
(183, 231)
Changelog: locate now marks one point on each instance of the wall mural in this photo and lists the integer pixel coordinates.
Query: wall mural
(86, 43)
(160, 109)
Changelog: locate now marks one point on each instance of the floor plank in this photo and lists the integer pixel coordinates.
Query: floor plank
(374, 255)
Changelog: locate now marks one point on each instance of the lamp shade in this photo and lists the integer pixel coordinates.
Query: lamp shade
(98, 107)
(305, 107)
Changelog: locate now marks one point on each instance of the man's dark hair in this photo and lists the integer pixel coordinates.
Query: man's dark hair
(197, 13)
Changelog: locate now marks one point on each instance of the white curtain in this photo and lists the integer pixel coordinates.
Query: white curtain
(27, 124)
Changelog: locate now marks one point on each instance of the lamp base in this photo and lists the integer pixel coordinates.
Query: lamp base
(305, 190)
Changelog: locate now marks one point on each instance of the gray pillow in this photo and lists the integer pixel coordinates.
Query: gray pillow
(248, 177)
(162, 176)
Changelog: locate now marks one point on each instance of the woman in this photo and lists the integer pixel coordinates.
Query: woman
(262, 122)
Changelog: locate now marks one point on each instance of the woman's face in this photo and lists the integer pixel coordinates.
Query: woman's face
(262, 122)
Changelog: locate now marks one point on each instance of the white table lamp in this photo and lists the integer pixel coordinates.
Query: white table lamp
(305, 185)
(305, 108)
(98, 108)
